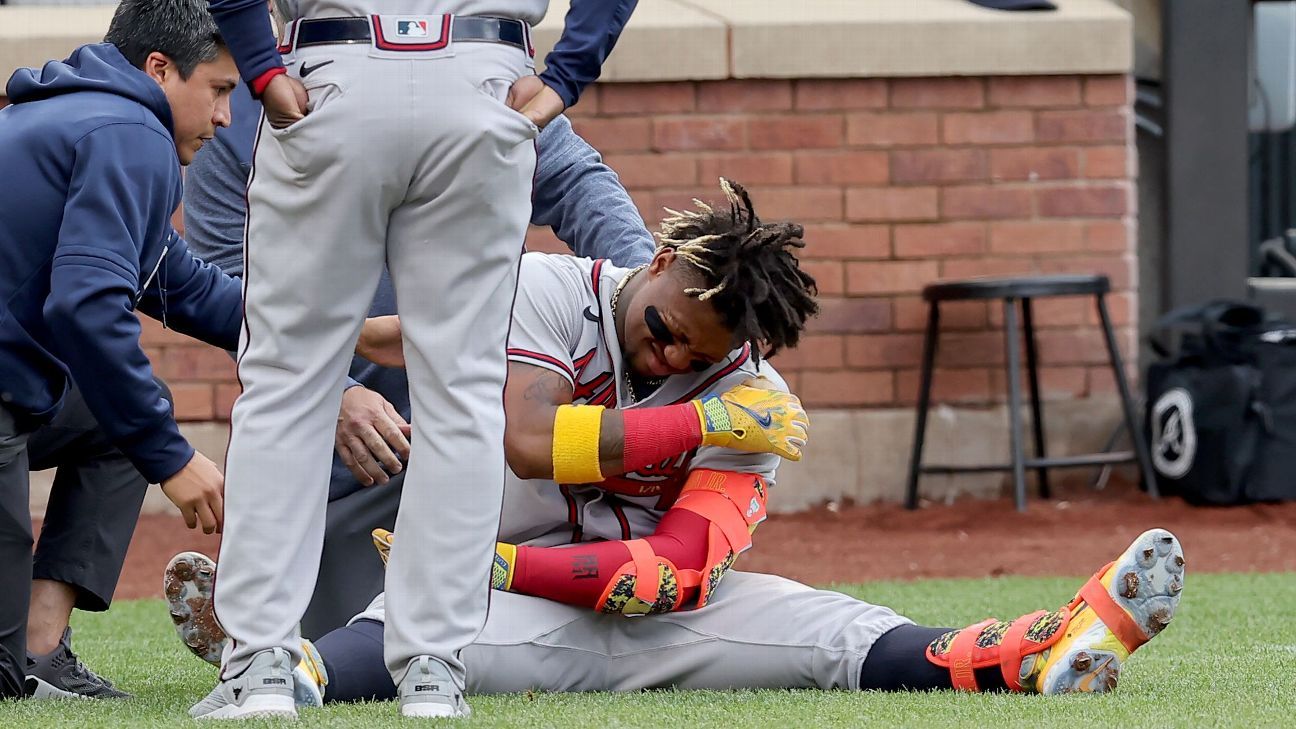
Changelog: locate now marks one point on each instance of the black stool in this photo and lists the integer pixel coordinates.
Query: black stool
(1012, 290)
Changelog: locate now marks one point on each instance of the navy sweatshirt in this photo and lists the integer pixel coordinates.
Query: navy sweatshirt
(90, 181)
(590, 31)
(575, 194)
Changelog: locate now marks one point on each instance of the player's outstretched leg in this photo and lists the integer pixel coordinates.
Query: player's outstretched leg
(187, 584)
(1081, 646)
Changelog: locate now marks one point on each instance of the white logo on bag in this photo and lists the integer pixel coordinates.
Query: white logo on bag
(1174, 439)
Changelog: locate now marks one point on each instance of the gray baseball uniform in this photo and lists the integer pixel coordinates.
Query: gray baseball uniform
(758, 630)
(409, 156)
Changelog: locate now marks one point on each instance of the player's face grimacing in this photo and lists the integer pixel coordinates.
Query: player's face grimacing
(668, 332)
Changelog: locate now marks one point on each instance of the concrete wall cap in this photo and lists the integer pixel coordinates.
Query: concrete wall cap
(677, 40)
(876, 38)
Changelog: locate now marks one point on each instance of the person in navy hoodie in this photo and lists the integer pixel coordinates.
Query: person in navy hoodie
(91, 149)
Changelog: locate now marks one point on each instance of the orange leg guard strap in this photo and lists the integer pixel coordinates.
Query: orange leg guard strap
(996, 642)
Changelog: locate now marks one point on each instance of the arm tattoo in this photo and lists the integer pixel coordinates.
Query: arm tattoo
(548, 387)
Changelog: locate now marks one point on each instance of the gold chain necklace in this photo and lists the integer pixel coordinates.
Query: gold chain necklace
(625, 366)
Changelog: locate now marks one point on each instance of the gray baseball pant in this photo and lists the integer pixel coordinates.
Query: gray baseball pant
(759, 631)
(419, 163)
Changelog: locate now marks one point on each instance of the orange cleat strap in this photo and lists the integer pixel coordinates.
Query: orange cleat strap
(962, 675)
(1010, 654)
(1119, 622)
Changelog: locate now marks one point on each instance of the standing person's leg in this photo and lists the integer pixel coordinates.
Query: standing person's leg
(351, 573)
(89, 521)
(317, 217)
(453, 252)
(15, 555)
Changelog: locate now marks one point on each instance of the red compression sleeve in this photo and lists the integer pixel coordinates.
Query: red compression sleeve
(654, 434)
(578, 575)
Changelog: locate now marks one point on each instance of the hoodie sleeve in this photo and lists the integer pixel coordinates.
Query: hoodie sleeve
(246, 29)
(124, 184)
(194, 298)
(590, 31)
(583, 200)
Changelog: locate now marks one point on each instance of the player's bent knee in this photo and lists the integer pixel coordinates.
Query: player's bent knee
(646, 585)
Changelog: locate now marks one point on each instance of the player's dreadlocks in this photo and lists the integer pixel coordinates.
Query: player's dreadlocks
(751, 275)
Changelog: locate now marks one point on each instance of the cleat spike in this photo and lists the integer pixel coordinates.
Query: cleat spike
(1081, 662)
(1145, 584)
(1146, 558)
(1130, 591)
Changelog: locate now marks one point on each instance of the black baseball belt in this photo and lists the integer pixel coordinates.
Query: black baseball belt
(463, 28)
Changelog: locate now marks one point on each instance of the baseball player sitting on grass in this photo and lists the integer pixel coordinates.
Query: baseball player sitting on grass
(642, 469)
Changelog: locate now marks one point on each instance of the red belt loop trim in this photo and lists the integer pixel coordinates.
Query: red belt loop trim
(290, 37)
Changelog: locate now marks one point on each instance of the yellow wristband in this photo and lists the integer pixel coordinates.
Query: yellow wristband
(576, 443)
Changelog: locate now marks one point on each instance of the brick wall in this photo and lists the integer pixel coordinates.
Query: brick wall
(899, 182)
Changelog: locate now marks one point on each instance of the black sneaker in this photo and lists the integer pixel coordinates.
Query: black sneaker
(61, 675)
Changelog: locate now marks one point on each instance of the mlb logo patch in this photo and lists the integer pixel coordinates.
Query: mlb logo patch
(412, 28)
(411, 32)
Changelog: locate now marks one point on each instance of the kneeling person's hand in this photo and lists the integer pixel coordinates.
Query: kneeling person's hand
(198, 490)
(371, 436)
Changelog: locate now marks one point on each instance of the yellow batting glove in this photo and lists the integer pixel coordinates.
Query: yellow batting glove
(754, 420)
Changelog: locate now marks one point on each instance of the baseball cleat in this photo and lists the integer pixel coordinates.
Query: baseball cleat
(1081, 646)
(1124, 605)
(310, 677)
(187, 584)
(382, 541)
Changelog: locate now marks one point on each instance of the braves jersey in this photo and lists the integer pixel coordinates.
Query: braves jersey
(562, 321)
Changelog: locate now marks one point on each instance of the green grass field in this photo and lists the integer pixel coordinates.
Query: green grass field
(1229, 659)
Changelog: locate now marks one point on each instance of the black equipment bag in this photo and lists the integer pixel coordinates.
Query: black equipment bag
(1221, 404)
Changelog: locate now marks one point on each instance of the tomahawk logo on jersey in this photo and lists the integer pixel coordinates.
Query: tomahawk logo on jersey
(562, 321)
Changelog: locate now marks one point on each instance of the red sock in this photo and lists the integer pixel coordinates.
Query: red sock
(580, 573)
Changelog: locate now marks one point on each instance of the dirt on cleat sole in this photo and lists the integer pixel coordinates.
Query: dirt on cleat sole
(1146, 583)
(187, 584)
